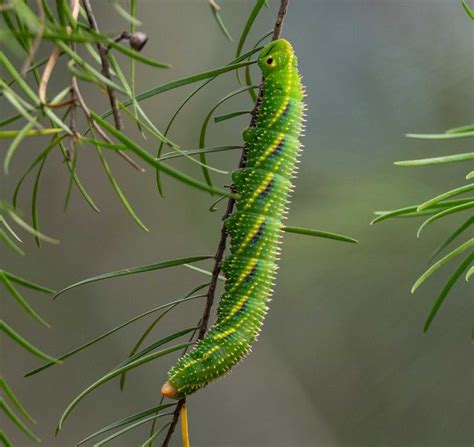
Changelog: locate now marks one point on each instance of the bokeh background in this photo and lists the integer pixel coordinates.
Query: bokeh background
(342, 361)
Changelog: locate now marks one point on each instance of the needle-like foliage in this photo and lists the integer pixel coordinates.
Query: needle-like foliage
(457, 201)
(10, 283)
(59, 116)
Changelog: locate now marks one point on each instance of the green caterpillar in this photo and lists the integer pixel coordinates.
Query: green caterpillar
(263, 187)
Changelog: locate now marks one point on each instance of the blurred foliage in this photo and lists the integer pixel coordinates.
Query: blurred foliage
(448, 203)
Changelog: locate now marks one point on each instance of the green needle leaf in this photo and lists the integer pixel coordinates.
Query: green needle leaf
(24, 343)
(146, 123)
(119, 191)
(125, 14)
(21, 105)
(5, 238)
(412, 210)
(248, 25)
(116, 372)
(5, 134)
(248, 76)
(34, 200)
(182, 82)
(202, 135)
(14, 100)
(446, 212)
(228, 116)
(19, 79)
(10, 120)
(126, 421)
(444, 293)
(7, 442)
(318, 233)
(131, 427)
(33, 67)
(446, 195)
(437, 160)
(21, 223)
(11, 395)
(176, 147)
(56, 121)
(20, 300)
(469, 273)
(467, 128)
(450, 256)
(8, 227)
(26, 283)
(88, 68)
(14, 145)
(16, 420)
(152, 347)
(110, 332)
(137, 108)
(215, 11)
(186, 100)
(153, 324)
(453, 236)
(134, 270)
(149, 441)
(203, 271)
(37, 160)
(441, 136)
(468, 10)
(205, 150)
(144, 155)
(104, 144)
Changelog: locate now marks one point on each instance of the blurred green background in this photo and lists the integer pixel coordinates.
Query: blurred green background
(342, 360)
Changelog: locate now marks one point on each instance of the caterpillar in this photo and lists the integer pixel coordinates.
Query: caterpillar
(262, 187)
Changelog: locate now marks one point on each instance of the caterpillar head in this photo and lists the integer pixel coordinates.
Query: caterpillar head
(275, 56)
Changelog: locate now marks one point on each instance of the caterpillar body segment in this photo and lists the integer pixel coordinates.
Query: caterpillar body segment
(263, 187)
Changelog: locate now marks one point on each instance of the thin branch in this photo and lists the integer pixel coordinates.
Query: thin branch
(73, 123)
(280, 18)
(102, 49)
(100, 131)
(223, 239)
(105, 65)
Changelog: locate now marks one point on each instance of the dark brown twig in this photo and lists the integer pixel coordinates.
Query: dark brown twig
(73, 123)
(73, 126)
(103, 50)
(280, 18)
(223, 239)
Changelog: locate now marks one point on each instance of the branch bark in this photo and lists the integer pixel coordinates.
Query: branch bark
(102, 49)
(223, 238)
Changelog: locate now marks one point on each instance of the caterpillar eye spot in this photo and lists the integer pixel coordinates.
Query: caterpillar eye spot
(270, 61)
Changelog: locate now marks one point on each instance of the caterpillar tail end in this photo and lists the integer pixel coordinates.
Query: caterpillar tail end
(169, 391)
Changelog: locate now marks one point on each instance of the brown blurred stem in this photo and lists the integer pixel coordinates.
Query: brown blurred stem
(223, 239)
